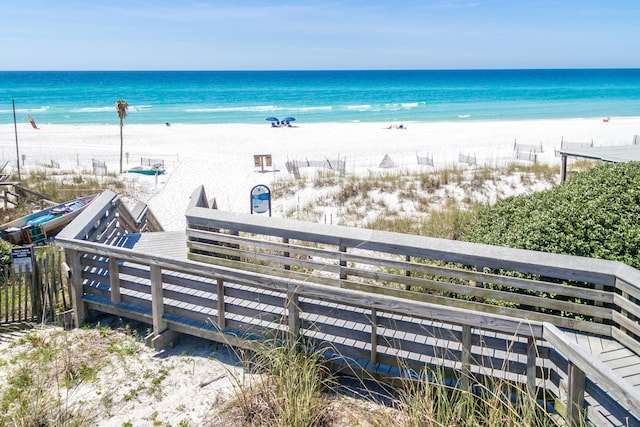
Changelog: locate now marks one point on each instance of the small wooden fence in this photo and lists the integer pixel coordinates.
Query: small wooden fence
(371, 300)
(38, 296)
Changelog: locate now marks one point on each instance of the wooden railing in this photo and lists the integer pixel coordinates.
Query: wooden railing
(583, 294)
(386, 303)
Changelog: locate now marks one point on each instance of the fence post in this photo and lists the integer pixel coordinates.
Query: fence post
(466, 357)
(575, 398)
(531, 366)
(293, 317)
(8, 275)
(114, 280)
(407, 272)
(221, 318)
(374, 336)
(286, 254)
(79, 308)
(343, 275)
(157, 301)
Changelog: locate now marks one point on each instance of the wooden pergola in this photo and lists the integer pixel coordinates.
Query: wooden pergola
(613, 154)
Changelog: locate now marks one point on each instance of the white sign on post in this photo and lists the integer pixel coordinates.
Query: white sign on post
(22, 258)
(261, 199)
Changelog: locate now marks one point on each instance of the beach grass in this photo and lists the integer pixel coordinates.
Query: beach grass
(294, 387)
(437, 203)
(61, 186)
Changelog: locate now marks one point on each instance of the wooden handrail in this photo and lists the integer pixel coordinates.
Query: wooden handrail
(594, 369)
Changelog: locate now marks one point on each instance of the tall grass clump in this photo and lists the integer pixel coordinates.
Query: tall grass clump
(63, 187)
(289, 390)
(432, 401)
(449, 222)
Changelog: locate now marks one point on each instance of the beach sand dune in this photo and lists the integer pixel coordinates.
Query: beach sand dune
(220, 157)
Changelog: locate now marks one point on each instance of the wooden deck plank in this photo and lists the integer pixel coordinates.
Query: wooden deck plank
(622, 362)
(166, 243)
(618, 353)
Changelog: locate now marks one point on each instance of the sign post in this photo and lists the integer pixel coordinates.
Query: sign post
(260, 199)
(262, 160)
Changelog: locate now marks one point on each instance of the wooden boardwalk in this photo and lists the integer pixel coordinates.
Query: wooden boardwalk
(564, 329)
(616, 356)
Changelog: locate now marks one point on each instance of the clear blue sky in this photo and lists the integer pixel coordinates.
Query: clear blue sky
(328, 34)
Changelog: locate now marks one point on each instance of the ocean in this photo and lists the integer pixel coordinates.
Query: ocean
(88, 97)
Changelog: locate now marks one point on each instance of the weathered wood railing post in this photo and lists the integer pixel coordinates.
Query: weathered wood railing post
(162, 335)
(374, 336)
(477, 283)
(466, 357)
(575, 399)
(343, 275)
(407, 272)
(220, 301)
(623, 311)
(114, 280)
(286, 254)
(531, 366)
(293, 317)
(598, 287)
(75, 285)
(157, 301)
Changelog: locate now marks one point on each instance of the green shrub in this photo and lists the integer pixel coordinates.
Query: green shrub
(596, 214)
(5, 253)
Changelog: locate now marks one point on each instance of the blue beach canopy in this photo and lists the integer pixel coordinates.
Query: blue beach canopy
(289, 119)
(272, 119)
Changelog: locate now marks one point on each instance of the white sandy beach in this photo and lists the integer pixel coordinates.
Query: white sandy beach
(220, 157)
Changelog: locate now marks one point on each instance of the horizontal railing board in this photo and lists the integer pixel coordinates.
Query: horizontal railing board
(268, 259)
(515, 313)
(544, 264)
(242, 247)
(480, 292)
(549, 303)
(487, 293)
(521, 283)
(182, 293)
(483, 277)
(89, 216)
(265, 330)
(261, 269)
(626, 323)
(631, 290)
(262, 243)
(625, 305)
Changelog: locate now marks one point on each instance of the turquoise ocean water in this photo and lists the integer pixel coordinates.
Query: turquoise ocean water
(58, 97)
